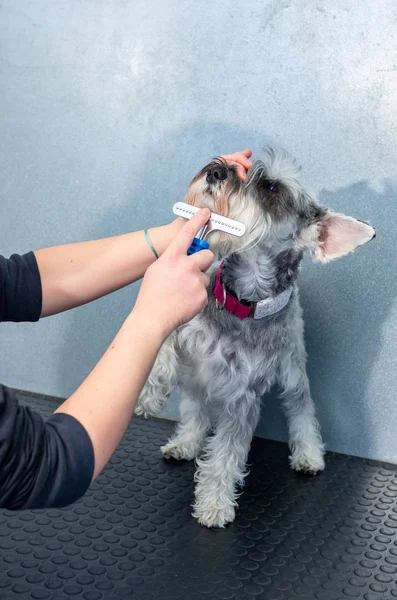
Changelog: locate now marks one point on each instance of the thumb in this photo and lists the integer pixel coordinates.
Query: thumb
(185, 237)
(203, 259)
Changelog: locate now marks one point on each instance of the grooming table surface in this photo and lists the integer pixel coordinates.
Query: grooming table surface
(132, 536)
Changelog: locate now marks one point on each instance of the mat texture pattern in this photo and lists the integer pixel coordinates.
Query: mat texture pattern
(132, 536)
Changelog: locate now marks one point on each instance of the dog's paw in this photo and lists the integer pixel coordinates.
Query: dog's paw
(179, 451)
(147, 405)
(309, 465)
(143, 410)
(213, 516)
(140, 411)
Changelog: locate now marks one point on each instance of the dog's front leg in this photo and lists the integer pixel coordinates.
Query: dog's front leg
(307, 448)
(222, 467)
(191, 431)
(161, 381)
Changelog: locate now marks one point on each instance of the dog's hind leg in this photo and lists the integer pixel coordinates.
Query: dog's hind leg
(190, 432)
(307, 448)
(161, 381)
(223, 465)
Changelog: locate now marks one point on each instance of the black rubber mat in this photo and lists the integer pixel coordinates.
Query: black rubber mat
(132, 536)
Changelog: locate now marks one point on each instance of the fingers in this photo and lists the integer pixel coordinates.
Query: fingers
(205, 280)
(185, 237)
(241, 162)
(243, 155)
(241, 172)
(203, 259)
(242, 158)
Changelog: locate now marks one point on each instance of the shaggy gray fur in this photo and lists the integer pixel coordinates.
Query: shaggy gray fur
(223, 364)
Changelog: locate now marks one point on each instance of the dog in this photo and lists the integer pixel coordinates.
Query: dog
(251, 335)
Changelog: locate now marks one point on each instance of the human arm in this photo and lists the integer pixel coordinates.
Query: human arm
(172, 292)
(52, 463)
(74, 274)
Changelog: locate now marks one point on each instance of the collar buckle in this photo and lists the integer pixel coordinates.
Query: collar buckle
(221, 305)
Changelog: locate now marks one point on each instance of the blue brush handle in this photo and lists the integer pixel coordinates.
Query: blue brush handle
(197, 245)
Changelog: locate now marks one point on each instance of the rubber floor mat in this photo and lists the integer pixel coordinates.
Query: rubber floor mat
(132, 536)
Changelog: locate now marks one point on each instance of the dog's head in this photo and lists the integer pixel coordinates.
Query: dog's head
(278, 211)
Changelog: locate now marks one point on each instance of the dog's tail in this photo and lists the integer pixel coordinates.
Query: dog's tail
(162, 380)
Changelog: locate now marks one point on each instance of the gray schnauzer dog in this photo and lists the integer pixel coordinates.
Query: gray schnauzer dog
(251, 334)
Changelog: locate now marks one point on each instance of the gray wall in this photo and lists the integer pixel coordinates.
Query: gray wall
(107, 109)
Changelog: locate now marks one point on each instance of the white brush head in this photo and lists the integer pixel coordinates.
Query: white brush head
(216, 222)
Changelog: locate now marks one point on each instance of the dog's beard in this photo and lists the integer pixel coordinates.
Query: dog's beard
(216, 198)
(224, 200)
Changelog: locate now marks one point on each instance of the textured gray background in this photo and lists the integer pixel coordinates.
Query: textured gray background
(108, 108)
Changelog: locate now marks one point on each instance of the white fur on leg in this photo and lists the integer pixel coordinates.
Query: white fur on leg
(213, 516)
(190, 432)
(222, 467)
(180, 449)
(307, 448)
(215, 493)
(161, 381)
(305, 461)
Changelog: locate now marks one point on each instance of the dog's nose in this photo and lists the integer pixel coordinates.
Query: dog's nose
(218, 173)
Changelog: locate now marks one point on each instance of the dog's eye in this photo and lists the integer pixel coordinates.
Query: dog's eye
(272, 186)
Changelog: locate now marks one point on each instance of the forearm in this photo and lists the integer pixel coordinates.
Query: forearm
(74, 274)
(105, 401)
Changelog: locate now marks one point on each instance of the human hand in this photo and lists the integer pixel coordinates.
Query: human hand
(173, 290)
(241, 161)
(163, 236)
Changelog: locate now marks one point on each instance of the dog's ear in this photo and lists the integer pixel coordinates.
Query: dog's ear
(334, 235)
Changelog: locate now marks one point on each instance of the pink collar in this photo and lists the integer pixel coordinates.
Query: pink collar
(256, 310)
(228, 301)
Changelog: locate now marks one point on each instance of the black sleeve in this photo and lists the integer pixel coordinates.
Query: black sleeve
(20, 288)
(42, 464)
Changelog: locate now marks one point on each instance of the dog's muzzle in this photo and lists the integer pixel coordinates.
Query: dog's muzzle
(216, 174)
